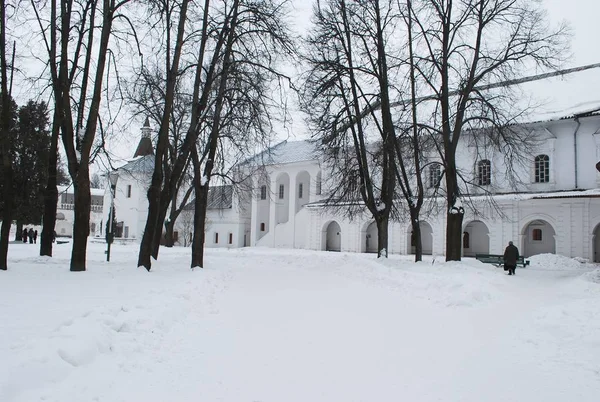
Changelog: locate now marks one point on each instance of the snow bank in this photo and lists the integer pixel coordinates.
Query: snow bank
(293, 325)
(555, 262)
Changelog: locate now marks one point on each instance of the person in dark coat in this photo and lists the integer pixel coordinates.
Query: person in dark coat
(24, 235)
(511, 255)
(35, 237)
(30, 233)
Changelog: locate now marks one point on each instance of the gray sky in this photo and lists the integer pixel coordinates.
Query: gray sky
(557, 95)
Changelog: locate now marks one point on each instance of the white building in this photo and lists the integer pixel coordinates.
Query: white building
(65, 214)
(130, 194)
(554, 208)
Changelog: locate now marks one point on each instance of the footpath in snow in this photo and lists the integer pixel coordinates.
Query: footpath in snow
(290, 325)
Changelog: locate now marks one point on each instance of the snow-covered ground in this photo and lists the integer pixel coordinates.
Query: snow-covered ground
(289, 325)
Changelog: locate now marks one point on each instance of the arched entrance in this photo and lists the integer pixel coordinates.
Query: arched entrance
(426, 239)
(476, 239)
(333, 237)
(371, 238)
(596, 245)
(538, 238)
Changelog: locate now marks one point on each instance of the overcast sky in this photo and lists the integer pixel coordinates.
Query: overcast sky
(558, 95)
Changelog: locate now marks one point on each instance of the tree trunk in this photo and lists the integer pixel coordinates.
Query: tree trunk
(416, 236)
(81, 225)
(454, 214)
(454, 236)
(51, 193)
(6, 163)
(382, 236)
(199, 226)
(170, 227)
(160, 220)
(169, 239)
(147, 243)
(19, 232)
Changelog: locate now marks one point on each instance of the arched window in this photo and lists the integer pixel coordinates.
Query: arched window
(542, 169)
(484, 173)
(536, 234)
(466, 240)
(435, 172)
(263, 192)
(318, 183)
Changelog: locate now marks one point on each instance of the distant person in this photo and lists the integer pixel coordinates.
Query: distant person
(511, 255)
(30, 234)
(24, 235)
(35, 237)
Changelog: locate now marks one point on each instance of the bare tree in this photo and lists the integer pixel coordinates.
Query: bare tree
(462, 46)
(5, 134)
(349, 68)
(77, 66)
(234, 33)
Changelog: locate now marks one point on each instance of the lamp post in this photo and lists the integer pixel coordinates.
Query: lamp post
(113, 177)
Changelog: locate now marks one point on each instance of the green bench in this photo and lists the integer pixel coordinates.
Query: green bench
(498, 260)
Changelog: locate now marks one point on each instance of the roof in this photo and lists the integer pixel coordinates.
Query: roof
(287, 152)
(144, 147)
(219, 197)
(139, 164)
(70, 190)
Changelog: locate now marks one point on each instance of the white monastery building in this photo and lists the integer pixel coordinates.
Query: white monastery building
(554, 208)
(65, 214)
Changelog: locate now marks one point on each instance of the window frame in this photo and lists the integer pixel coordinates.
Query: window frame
(541, 172)
(263, 192)
(281, 191)
(300, 190)
(484, 172)
(534, 236)
(435, 172)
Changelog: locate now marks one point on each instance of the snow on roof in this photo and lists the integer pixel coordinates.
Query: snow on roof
(219, 197)
(287, 152)
(70, 190)
(139, 164)
(593, 193)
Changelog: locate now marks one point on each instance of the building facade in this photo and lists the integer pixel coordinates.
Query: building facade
(549, 204)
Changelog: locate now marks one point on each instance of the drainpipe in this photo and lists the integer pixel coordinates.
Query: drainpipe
(575, 148)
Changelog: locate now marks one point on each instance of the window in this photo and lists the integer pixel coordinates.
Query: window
(466, 240)
(319, 183)
(300, 188)
(263, 192)
(129, 191)
(542, 169)
(126, 230)
(435, 172)
(262, 227)
(230, 238)
(216, 238)
(537, 234)
(484, 173)
(281, 191)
